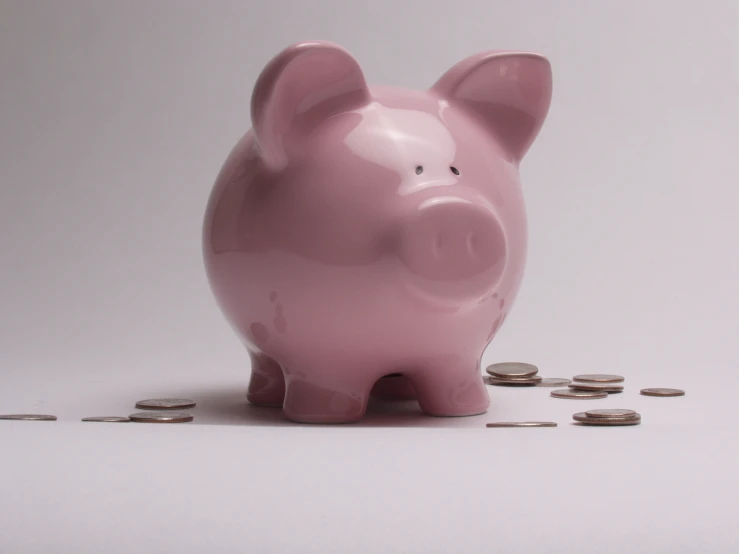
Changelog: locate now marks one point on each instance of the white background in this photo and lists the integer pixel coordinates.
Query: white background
(115, 118)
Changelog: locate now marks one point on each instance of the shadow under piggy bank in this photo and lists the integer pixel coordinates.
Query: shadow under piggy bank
(229, 406)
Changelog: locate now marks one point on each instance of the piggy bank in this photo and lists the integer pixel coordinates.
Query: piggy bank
(371, 240)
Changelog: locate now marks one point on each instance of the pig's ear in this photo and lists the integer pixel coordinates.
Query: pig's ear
(301, 87)
(509, 92)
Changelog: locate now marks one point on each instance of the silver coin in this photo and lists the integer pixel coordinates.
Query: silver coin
(605, 387)
(663, 392)
(586, 420)
(521, 424)
(578, 394)
(528, 381)
(506, 370)
(611, 414)
(553, 382)
(29, 417)
(161, 417)
(108, 419)
(598, 378)
(518, 378)
(165, 404)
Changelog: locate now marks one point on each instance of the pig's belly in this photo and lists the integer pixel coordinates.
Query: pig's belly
(302, 312)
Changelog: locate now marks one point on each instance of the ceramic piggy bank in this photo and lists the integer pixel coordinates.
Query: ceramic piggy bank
(371, 240)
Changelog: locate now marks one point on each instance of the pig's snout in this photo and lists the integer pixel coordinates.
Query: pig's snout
(456, 246)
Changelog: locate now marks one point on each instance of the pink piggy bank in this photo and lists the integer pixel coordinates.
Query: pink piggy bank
(372, 240)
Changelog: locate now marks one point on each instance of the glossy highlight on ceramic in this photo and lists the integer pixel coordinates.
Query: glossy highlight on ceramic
(371, 240)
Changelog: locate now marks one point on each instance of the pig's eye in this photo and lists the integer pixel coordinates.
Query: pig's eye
(419, 169)
(454, 170)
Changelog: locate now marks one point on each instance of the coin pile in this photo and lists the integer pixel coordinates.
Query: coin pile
(608, 417)
(591, 386)
(598, 378)
(519, 374)
(165, 404)
(512, 374)
(161, 417)
(163, 413)
(582, 387)
(598, 382)
(578, 394)
(163, 410)
(553, 382)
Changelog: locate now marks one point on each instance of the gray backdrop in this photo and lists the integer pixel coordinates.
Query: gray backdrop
(116, 116)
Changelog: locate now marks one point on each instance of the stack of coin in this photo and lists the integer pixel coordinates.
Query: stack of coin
(597, 382)
(578, 394)
(608, 417)
(164, 410)
(162, 415)
(165, 404)
(553, 382)
(515, 374)
(598, 378)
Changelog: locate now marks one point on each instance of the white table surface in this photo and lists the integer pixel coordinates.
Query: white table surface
(241, 479)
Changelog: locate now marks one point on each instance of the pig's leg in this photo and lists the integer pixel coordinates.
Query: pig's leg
(322, 397)
(451, 388)
(267, 384)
